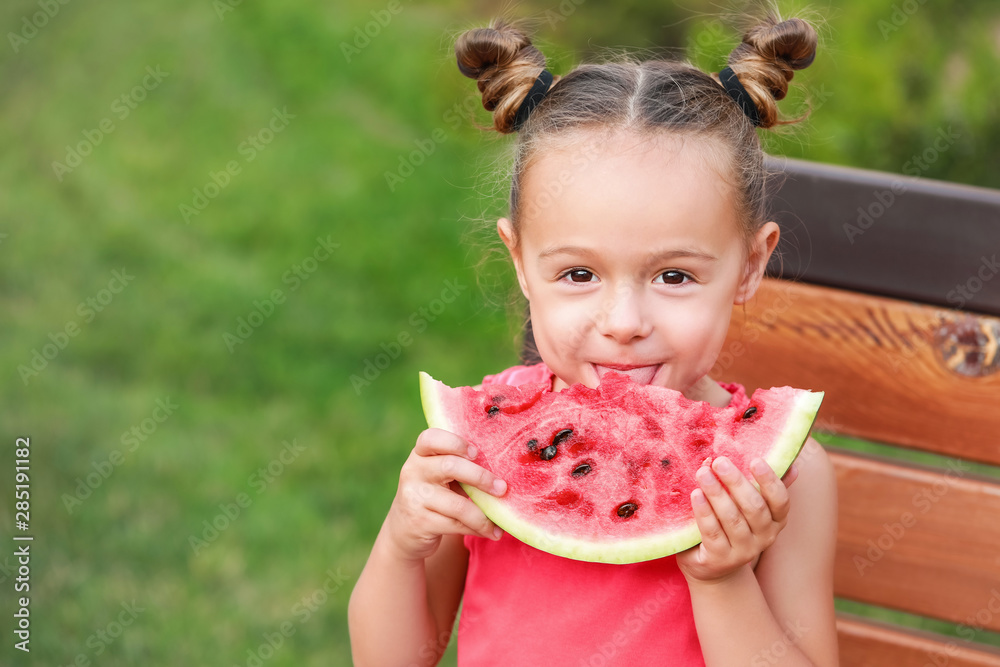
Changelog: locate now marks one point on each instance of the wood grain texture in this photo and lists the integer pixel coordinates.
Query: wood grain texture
(887, 234)
(893, 371)
(918, 540)
(865, 643)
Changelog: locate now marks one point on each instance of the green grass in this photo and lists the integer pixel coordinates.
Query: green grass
(321, 177)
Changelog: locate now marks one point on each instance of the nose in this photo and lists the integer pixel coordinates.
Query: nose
(623, 317)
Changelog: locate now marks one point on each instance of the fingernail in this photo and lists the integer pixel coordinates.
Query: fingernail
(497, 533)
(759, 467)
(708, 478)
(699, 498)
(499, 486)
(472, 451)
(723, 465)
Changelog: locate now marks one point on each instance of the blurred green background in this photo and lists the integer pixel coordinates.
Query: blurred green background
(209, 380)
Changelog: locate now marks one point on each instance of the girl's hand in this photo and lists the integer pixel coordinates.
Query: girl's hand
(736, 521)
(429, 502)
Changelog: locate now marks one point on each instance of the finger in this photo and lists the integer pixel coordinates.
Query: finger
(751, 504)
(448, 468)
(433, 441)
(462, 510)
(726, 511)
(713, 537)
(791, 475)
(439, 524)
(771, 488)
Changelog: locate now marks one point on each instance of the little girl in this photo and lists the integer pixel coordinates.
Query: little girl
(636, 223)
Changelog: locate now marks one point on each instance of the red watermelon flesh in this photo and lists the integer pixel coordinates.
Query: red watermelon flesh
(606, 474)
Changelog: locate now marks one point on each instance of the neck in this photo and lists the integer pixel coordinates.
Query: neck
(708, 390)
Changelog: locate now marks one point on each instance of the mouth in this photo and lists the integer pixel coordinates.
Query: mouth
(639, 374)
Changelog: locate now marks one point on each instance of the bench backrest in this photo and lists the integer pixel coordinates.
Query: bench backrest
(885, 293)
(886, 296)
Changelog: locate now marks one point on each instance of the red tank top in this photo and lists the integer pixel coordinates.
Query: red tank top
(526, 607)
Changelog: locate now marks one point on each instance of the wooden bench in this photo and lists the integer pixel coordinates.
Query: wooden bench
(885, 294)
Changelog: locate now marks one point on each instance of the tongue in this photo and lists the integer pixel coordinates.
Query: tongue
(642, 375)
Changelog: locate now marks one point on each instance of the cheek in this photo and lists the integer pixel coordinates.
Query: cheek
(699, 328)
(561, 325)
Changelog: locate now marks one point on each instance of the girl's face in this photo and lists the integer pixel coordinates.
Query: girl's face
(630, 257)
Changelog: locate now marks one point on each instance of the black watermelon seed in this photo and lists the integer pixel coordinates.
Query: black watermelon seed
(532, 445)
(625, 510)
(493, 410)
(548, 453)
(751, 411)
(581, 470)
(664, 462)
(559, 437)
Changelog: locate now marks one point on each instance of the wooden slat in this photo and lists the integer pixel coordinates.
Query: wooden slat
(914, 539)
(893, 371)
(866, 643)
(912, 238)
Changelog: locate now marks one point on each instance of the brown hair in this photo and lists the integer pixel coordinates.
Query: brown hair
(643, 96)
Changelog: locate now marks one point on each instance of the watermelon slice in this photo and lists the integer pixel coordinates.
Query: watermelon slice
(606, 474)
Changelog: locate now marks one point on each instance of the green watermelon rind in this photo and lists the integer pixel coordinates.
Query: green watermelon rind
(618, 551)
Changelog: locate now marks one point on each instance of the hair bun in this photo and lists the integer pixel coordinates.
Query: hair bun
(792, 41)
(505, 64)
(766, 59)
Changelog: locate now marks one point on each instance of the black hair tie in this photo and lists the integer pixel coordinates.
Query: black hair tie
(739, 94)
(537, 93)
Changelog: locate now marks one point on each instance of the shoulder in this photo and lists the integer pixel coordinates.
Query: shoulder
(810, 536)
(817, 480)
(796, 572)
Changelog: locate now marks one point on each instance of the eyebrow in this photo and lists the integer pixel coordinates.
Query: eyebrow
(664, 255)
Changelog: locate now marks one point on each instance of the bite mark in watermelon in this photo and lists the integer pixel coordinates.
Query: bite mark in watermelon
(606, 474)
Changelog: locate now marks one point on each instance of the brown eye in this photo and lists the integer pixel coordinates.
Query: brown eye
(673, 277)
(580, 275)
